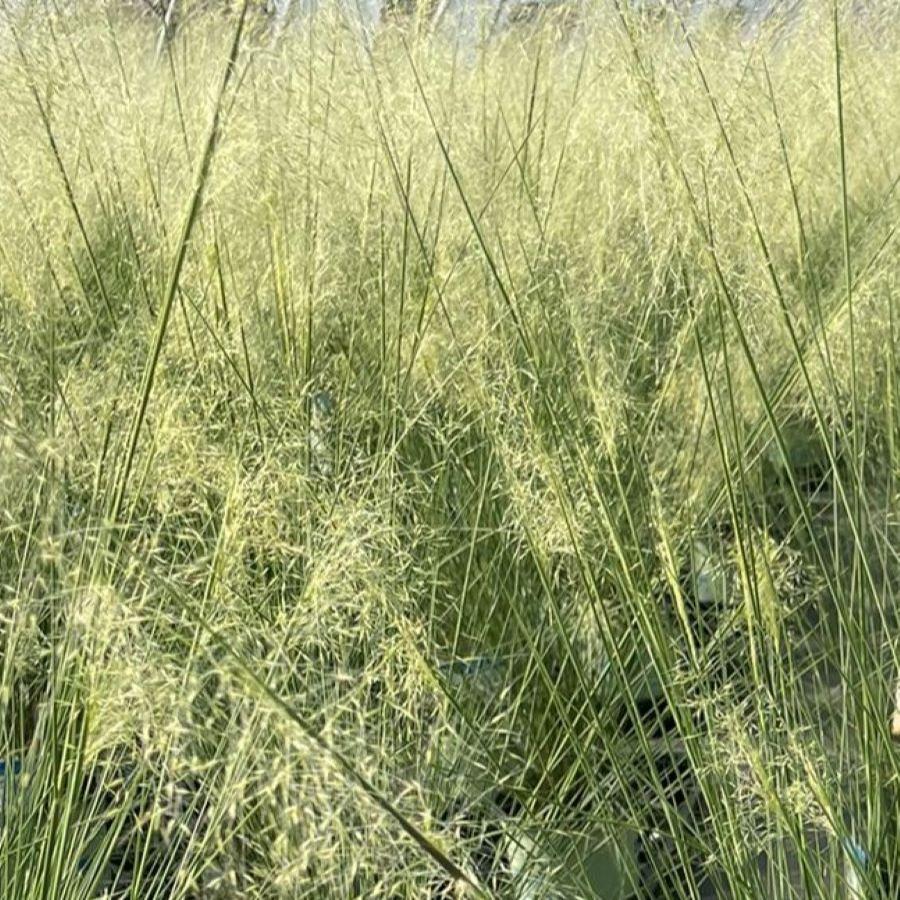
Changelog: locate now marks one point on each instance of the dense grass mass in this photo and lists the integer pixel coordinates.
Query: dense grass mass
(435, 468)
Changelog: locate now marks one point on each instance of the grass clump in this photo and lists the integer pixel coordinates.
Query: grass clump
(438, 467)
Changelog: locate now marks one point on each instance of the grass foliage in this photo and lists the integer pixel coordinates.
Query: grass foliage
(434, 468)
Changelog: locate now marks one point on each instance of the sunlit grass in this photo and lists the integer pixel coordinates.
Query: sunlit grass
(431, 468)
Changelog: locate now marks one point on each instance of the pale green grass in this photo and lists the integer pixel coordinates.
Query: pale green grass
(405, 442)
